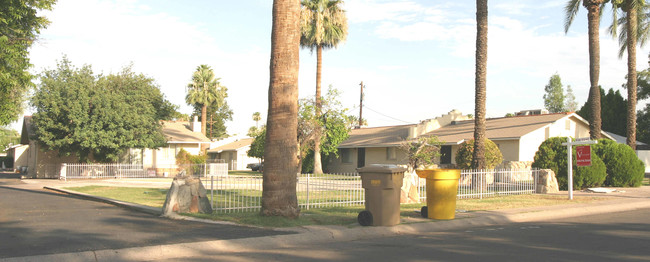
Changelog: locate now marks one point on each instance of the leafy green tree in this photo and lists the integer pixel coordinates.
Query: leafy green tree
(614, 106)
(635, 23)
(257, 147)
(203, 91)
(421, 152)
(554, 97)
(323, 25)
(594, 10)
(334, 120)
(570, 103)
(95, 117)
(20, 25)
(643, 124)
(8, 137)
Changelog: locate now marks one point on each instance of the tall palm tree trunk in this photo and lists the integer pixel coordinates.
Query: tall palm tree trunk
(318, 166)
(631, 74)
(478, 157)
(281, 149)
(593, 18)
(204, 119)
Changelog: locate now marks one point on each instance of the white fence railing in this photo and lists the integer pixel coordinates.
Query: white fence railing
(244, 193)
(114, 170)
(492, 182)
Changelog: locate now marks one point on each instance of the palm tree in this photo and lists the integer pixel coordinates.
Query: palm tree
(593, 17)
(281, 145)
(257, 117)
(636, 29)
(323, 24)
(204, 90)
(478, 157)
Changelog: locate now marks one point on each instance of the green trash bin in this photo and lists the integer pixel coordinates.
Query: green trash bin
(382, 184)
(442, 189)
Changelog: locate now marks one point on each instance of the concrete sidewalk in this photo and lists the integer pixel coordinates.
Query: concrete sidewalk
(624, 199)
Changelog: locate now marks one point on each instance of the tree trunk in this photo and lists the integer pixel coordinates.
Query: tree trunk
(204, 119)
(318, 166)
(593, 18)
(631, 76)
(478, 157)
(281, 149)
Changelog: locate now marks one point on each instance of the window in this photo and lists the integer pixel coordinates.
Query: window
(391, 154)
(345, 155)
(445, 155)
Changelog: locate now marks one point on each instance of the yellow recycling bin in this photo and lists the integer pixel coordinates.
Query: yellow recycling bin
(442, 188)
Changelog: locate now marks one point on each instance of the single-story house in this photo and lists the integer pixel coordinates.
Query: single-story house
(234, 153)
(179, 134)
(518, 138)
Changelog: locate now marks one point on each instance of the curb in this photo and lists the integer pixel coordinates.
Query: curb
(327, 234)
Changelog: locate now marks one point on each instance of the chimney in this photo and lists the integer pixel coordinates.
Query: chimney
(196, 125)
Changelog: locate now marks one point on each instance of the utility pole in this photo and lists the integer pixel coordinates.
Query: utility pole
(361, 105)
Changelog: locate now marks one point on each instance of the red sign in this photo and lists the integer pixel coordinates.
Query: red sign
(583, 154)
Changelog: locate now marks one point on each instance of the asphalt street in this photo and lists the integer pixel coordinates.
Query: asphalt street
(38, 222)
(621, 236)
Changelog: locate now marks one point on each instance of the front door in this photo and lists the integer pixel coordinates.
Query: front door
(361, 157)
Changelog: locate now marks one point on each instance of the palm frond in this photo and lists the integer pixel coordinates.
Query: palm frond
(570, 11)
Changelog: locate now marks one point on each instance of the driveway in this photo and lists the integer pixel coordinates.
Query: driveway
(38, 222)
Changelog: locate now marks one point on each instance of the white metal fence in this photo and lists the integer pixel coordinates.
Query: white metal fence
(491, 182)
(115, 170)
(244, 193)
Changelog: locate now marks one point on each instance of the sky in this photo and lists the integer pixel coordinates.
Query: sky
(415, 57)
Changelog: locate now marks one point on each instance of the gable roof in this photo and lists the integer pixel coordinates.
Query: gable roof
(503, 128)
(233, 146)
(385, 136)
(178, 132)
(27, 133)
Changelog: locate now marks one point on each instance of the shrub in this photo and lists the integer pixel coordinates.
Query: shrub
(493, 156)
(623, 166)
(553, 155)
(184, 158)
(588, 176)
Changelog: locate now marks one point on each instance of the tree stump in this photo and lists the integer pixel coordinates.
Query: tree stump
(186, 195)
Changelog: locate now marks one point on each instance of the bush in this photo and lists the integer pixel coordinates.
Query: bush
(623, 166)
(588, 176)
(553, 155)
(185, 158)
(493, 156)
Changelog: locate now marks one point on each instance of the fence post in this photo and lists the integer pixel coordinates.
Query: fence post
(212, 193)
(63, 174)
(307, 191)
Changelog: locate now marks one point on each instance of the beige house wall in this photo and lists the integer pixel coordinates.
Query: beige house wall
(21, 155)
(644, 155)
(509, 149)
(45, 164)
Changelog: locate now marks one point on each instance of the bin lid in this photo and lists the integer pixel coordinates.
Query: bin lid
(381, 168)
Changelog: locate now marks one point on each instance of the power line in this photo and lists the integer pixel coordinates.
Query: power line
(386, 115)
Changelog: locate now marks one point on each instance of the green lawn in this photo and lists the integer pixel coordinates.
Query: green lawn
(316, 216)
